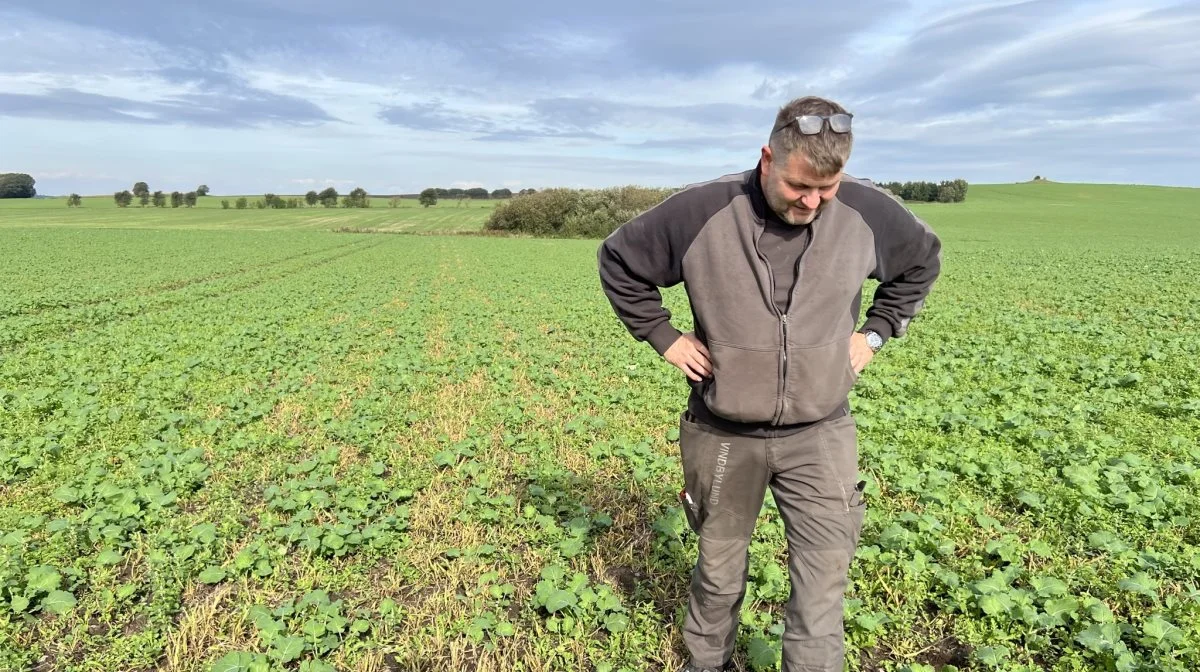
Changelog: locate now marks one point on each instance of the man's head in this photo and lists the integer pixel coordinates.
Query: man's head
(801, 170)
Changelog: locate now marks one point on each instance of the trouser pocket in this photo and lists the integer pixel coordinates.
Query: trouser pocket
(725, 477)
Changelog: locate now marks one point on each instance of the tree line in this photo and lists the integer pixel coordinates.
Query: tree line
(947, 191)
(141, 191)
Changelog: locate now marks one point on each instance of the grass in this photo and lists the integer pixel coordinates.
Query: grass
(240, 436)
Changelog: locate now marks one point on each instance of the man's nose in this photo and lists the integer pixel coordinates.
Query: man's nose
(811, 200)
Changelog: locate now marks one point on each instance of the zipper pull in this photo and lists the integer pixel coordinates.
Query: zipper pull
(783, 318)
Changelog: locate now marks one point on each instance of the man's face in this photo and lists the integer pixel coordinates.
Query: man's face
(793, 190)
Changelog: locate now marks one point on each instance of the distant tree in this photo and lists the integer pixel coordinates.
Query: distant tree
(311, 198)
(476, 192)
(159, 199)
(525, 192)
(74, 201)
(224, 204)
(429, 197)
(17, 185)
(176, 199)
(241, 203)
(328, 197)
(357, 199)
(442, 193)
(202, 190)
(270, 200)
(141, 191)
(189, 199)
(123, 198)
(1037, 178)
(502, 193)
(394, 202)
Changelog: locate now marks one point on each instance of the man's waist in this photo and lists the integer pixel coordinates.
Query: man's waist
(698, 411)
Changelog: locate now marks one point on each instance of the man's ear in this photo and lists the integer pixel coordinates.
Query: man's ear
(766, 159)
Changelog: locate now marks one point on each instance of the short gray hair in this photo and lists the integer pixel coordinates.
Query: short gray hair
(827, 151)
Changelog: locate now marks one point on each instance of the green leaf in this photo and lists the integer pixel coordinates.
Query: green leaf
(553, 573)
(1061, 608)
(995, 583)
(19, 603)
(1140, 583)
(1041, 548)
(616, 622)
(108, 557)
(992, 656)
(287, 649)
(314, 627)
(238, 661)
(559, 600)
(1100, 613)
(870, 621)
(1156, 630)
(58, 602)
(212, 575)
(1100, 637)
(761, 655)
(995, 603)
(505, 629)
(43, 579)
(1048, 586)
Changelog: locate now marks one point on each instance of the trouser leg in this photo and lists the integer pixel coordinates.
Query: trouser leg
(726, 477)
(816, 489)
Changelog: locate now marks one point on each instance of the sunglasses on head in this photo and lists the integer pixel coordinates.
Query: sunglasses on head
(811, 124)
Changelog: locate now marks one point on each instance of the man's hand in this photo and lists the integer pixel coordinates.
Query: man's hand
(690, 355)
(860, 353)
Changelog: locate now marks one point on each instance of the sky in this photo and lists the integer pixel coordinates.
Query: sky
(283, 96)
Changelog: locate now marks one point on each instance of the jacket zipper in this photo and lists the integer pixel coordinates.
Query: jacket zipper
(782, 334)
(783, 320)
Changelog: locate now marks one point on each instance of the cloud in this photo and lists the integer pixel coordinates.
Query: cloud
(215, 109)
(604, 93)
(434, 116)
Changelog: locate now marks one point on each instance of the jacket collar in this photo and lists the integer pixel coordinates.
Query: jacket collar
(758, 199)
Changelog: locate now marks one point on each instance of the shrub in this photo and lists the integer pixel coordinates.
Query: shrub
(574, 213)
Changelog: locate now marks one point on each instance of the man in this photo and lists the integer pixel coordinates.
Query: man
(773, 261)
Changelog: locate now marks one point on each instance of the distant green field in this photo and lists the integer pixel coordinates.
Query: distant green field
(235, 440)
(100, 211)
(1046, 211)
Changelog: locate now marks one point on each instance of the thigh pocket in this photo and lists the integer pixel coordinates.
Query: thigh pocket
(724, 480)
(839, 448)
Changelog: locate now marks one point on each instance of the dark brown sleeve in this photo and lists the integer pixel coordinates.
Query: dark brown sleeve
(646, 253)
(908, 259)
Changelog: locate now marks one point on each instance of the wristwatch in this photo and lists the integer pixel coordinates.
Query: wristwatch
(874, 340)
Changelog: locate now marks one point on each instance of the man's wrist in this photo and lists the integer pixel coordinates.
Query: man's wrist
(878, 325)
(874, 340)
(663, 337)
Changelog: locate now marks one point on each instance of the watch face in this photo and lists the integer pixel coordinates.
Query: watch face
(874, 340)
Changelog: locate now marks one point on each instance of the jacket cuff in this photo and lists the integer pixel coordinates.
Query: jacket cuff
(663, 336)
(878, 325)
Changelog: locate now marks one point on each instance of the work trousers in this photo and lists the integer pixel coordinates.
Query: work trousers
(813, 476)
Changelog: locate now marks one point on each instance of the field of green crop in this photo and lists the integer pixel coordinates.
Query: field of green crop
(239, 441)
(101, 212)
